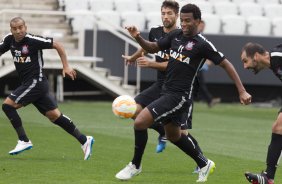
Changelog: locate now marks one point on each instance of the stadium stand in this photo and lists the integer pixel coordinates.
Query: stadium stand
(147, 6)
(133, 18)
(153, 19)
(225, 8)
(213, 24)
(259, 26)
(98, 5)
(233, 25)
(126, 5)
(273, 10)
(277, 26)
(115, 19)
(250, 9)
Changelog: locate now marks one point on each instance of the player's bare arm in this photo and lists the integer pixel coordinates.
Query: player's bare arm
(150, 47)
(245, 97)
(66, 68)
(131, 59)
(144, 62)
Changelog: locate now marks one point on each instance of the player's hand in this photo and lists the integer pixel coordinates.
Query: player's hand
(70, 72)
(133, 31)
(128, 59)
(245, 98)
(143, 62)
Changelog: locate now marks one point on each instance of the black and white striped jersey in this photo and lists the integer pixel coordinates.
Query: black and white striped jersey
(187, 55)
(27, 54)
(276, 61)
(155, 34)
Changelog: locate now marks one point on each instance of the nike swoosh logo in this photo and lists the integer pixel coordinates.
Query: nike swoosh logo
(154, 111)
(12, 94)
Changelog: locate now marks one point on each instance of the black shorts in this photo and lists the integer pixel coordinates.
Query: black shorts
(149, 95)
(173, 108)
(35, 92)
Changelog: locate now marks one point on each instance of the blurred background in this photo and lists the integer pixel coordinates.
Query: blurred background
(93, 34)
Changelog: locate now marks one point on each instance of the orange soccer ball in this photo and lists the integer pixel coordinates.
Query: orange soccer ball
(124, 106)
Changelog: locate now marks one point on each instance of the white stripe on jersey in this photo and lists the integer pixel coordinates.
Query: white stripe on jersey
(1, 43)
(276, 54)
(204, 38)
(172, 110)
(40, 62)
(27, 90)
(39, 38)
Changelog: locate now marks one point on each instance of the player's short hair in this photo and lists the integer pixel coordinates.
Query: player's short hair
(252, 48)
(16, 19)
(192, 8)
(172, 5)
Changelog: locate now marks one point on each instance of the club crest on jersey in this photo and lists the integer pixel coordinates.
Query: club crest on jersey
(25, 49)
(189, 45)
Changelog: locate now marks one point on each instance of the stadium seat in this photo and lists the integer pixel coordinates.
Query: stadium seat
(81, 21)
(259, 26)
(264, 2)
(243, 1)
(250, 9)
(233, 25)
(219, 1)
(76, 5)
(277, 26)
(225, 8)
(205, 6)
(98, 5)
(213, 24)
(133, 18)
(114, 19)
(149, 6)
(273, 10)
(126, 5)
(153, 19)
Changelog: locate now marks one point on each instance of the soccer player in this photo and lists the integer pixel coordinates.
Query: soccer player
(256, 58)
(188, 51)
(26, 50)
(169, 15)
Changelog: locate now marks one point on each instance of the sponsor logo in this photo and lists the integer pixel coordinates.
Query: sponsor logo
(25, 49)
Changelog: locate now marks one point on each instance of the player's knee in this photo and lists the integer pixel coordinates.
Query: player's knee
(53, 115)
(277, 127)
(7, 108)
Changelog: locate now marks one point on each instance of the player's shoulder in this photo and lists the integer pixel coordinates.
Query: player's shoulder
(37, 37)
(8, 37)
(277, 48)
(156, 29)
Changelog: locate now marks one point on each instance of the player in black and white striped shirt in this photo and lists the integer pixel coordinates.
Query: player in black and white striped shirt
(26, 50)
(256, 58)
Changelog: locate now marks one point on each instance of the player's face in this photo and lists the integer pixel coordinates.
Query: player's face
(189, 25)
(18, 29)
(250, 63)
(169, 18)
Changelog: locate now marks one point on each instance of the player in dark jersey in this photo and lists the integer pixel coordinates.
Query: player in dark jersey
(256, 58)
(169, 11)
(188, 51)
(26, 50)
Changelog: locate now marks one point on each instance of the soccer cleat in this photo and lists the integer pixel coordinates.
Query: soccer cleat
(20, 147)
(87, 147)
(258, 178)
(128, 172)
(206, 171)
(196, 170)
(161, 144)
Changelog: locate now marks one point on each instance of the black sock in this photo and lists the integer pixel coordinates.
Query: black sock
(195, 142)
(141, 137)
(66, 123)
(188, 146)
(159, 128)
(16, 121)
(273, 155)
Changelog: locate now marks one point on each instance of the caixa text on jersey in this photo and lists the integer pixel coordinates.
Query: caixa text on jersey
(20, 59)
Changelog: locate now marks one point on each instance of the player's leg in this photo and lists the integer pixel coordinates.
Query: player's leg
(48, 107)
(273, 155)
(143, 121)
(145, 98)
(20, 97)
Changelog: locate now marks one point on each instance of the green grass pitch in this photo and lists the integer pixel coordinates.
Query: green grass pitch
(234, 136)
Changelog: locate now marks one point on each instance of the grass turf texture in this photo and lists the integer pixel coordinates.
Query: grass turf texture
(235, 137)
